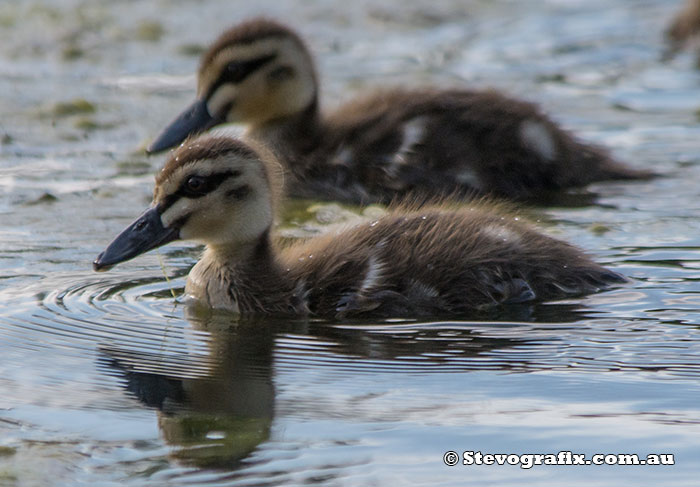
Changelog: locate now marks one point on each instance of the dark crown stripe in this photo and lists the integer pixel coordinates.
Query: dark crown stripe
(210, 183)
(247, 33)
(237, 71)
(204, 148)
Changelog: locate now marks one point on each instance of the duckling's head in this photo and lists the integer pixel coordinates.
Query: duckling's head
(214, 190)
(254, 73)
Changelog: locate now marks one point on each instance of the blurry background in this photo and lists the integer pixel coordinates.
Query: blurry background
(84, 85)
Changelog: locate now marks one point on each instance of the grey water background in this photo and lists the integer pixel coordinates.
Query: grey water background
(106, 379)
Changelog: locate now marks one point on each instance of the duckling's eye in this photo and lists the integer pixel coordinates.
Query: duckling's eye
(237, 71)
(196, 186)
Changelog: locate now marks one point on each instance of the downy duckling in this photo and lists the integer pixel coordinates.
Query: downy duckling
(389, 144)
(221, 192)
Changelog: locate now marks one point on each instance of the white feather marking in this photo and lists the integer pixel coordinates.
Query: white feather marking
(538, 138)
(343, 157)
(413, 132)
(374, 273)
(468, 177)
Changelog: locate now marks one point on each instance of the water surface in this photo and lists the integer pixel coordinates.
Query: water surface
(107, 379)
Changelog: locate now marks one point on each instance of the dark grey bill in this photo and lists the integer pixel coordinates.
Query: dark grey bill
(194, 119)
(146, 233)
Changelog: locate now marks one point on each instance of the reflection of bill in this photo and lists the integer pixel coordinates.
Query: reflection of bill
(215, 410)
(216, 401)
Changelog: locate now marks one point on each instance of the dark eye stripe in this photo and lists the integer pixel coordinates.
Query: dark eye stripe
(236, 71)
(209, 184)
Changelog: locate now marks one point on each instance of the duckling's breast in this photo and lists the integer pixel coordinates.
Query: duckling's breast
(209, 285)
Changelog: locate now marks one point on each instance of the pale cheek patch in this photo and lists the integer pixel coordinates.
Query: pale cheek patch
(539, 139)
(296, 92)
(221, 98)
(181, 208)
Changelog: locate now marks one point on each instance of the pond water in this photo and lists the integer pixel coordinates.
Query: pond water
(108, 379)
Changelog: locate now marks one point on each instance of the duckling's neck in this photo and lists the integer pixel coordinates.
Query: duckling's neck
(245, 278)
(293, 135)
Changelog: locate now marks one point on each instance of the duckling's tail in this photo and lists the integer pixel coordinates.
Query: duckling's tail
(615, 170)
(601, 166)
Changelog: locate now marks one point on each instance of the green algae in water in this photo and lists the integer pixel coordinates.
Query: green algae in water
(134, 168)
(150, 31)
(72, 52)
(7, 20)
(6, 451)
(191, 49)
(46, 11)
(599, 229)
(90, 124)
(46, 198)
(73, 107)
(207, 440)
(86, 124)
(8, 479)
(329, 213)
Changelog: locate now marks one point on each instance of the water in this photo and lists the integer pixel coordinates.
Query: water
(106, 379)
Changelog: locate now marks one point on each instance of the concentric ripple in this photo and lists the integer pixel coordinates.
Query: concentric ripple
(68, 321)
(594, 346)
(141, 317)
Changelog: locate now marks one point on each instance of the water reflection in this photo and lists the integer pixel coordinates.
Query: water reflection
(234, 397)
(617, 371)
(218, 417)
(214, 409)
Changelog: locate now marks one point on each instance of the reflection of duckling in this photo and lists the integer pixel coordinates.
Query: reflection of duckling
(211, 419)
(219, 191)
(392, 143)
(685, 28)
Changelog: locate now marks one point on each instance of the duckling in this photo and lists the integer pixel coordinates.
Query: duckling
(392, 143)
(411, 262)
(684, 30)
